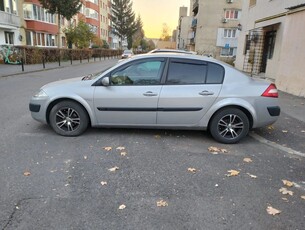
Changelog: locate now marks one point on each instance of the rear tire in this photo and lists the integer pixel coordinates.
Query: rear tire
(68, 118)
(229, 125)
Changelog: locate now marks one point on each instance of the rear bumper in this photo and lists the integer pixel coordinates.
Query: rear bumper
(274, 111)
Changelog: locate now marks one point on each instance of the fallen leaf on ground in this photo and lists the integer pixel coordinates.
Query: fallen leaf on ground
(247, 160)
(107, 148)
(123, 154)
(192, 170)
(252, 176)
(273, 211)
(285, 131)
(114, 169)
(85, 157)
(303, 131)
(270, 127)
(284, 199)
(162, 203)
(26, 173)
(284, 191)
(232, 173)
(303, 197)
(287, 183)
(120, 148)
(157, 136)
(216, 150)
(103, 182)
(122, 206)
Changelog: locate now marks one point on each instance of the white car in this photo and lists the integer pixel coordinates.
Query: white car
(162, 90)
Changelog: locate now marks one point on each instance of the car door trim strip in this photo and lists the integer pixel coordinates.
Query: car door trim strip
(150, 109)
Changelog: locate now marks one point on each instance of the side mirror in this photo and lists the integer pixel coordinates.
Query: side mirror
(106, 81)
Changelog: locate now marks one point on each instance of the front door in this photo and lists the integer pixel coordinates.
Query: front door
(132, 97)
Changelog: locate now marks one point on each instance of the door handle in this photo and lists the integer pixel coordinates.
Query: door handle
(206, 93)
(150, 94)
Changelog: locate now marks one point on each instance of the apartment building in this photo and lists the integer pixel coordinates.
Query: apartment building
(183, 29)
(215, 27)
(26, 22)
(9, 23)
(272, 42)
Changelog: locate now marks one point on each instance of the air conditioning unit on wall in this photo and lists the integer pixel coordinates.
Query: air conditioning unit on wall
(224, 20)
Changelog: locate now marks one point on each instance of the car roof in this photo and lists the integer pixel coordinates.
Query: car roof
(170, 51)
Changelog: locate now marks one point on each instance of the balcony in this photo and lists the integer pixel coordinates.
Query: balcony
(9, 20)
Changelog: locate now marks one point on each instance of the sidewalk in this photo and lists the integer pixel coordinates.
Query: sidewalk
(9, 70)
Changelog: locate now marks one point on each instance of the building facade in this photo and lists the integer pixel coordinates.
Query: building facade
(9, 22)
(272, 40)
(215, 27)
(26, 22)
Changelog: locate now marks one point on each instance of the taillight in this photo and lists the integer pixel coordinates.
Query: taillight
(271, 91)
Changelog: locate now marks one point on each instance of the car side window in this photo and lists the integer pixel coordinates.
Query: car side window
(183, 71)
(215, 74)
(139, 73)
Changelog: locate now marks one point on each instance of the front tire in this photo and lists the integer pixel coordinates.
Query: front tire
(229, 125)
(68, 118)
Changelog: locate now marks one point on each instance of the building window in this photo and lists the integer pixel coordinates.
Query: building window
(229, 33)
(232, 14)
(227, 52)
(35, 12)
(9, 37)
(91, 13)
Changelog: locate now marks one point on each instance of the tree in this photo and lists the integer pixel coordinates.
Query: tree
(138, 36)
(81, 35)
(124, 25)
(66, 9)
(165, 33)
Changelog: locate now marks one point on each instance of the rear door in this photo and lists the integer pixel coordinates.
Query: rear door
(190, 89)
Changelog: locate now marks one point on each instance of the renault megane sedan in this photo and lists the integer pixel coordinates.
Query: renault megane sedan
(162, 90)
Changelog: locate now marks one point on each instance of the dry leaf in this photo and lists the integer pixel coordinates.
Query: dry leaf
(247, 160)
(303, 131)
(252, 176)
(162, 203)
(284, 191)
(303, 197)
(123, 154)
(284, 131)
(192, 170)
(270, 127)
(26, 173)
(233, 173)
(157, 136)
(122, 206)
(284, 199)
(120, 148)
(216, 150)
(107, 148)
(103, 182)
(114, 169)
(288, 183)
(85, 157)
(273, 211)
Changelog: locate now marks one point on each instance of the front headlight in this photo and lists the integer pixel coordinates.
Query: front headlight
(40, 94)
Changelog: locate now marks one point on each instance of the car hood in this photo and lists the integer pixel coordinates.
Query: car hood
(62, 82)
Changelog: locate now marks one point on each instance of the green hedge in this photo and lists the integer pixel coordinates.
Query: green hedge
(35, 55)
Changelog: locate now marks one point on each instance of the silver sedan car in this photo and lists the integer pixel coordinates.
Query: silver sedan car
(167, 91)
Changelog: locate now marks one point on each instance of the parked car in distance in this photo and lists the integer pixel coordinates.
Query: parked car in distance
(161, 90)
(171, 51)
(127, 54)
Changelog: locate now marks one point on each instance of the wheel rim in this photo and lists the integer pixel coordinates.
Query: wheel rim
(230, 126)
(67, 119)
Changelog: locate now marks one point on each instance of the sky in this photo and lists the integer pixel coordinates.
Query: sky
(154, 13)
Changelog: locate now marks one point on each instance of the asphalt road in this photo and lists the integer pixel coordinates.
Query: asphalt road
(53, 182)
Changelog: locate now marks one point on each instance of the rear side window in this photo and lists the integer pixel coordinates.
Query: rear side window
(215, 74)
(182, 72)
